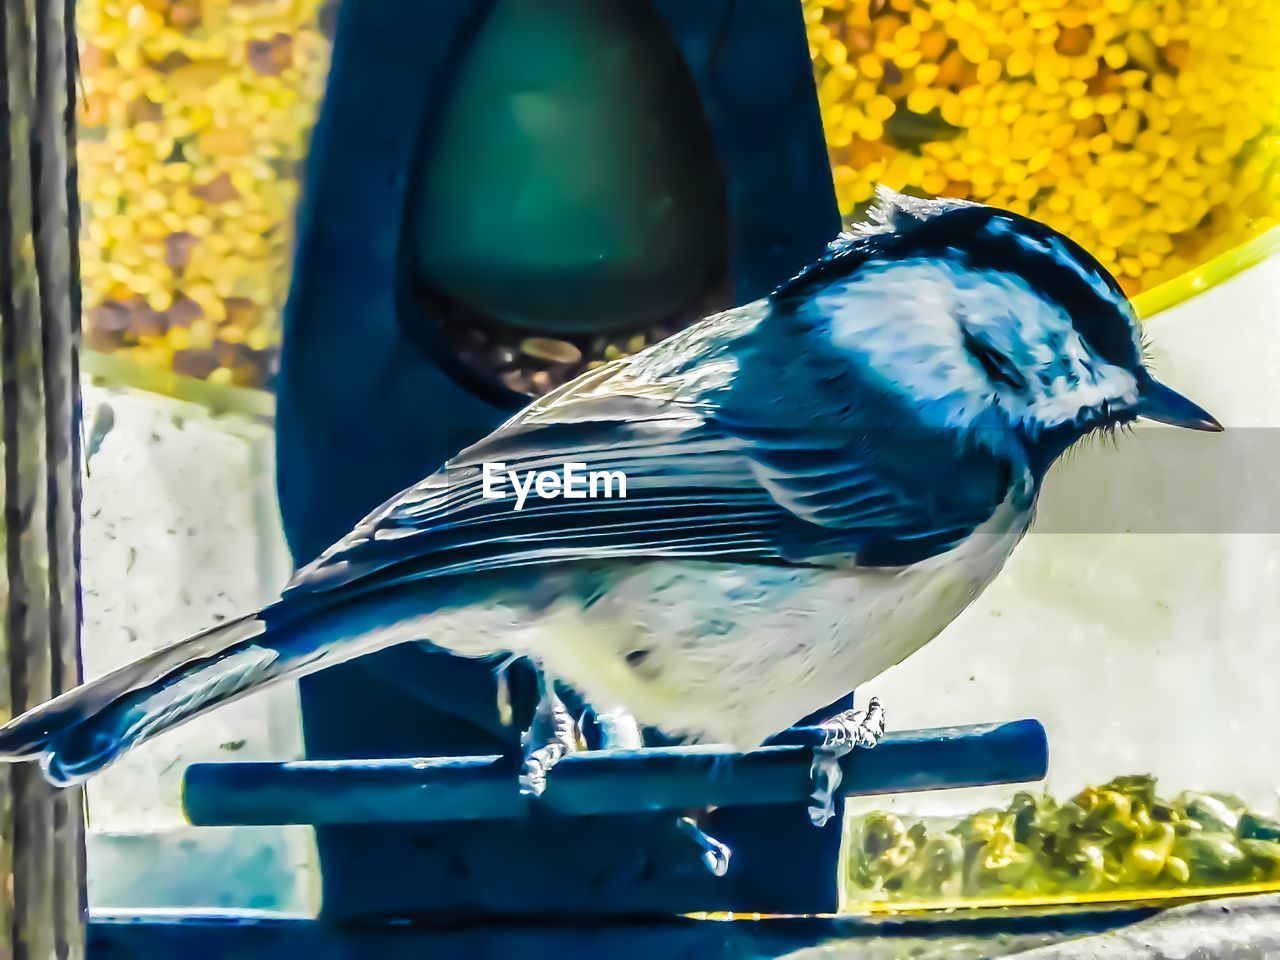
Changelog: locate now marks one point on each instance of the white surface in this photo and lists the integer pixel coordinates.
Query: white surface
(180, 530)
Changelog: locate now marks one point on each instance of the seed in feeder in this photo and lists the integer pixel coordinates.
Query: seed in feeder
(184, 311)
(177, 252)
(1182, 92)
(552, 351)
(270, 58)
(514, 380)
(1265, 857)
(182, 141)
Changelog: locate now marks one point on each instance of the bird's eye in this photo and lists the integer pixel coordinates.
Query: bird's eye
(1000, 370)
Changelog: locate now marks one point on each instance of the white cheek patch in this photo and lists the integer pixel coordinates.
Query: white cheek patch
(907, 321)
(1084, 384)
(900, 319)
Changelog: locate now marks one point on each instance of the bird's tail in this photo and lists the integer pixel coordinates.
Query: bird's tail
(78, 733)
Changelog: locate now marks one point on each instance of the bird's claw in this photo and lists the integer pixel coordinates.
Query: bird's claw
(840, 734)
(533, 775)
(552, 737)
(715, 855)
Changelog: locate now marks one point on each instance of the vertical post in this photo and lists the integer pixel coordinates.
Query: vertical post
(42, 898)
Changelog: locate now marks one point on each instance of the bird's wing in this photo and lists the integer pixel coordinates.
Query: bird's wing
(706, 479)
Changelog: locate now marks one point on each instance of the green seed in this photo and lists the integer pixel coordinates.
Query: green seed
(1254, 827)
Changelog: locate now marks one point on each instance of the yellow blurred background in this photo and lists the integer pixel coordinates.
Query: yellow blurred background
(1148, 130)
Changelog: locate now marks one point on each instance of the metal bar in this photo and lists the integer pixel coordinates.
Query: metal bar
(595, 783)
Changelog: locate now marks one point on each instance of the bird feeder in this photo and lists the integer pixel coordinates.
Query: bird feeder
(500, 195)
(461, 248)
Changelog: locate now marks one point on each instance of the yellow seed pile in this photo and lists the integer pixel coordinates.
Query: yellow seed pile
(1120, 837)
(1148, 130)
(195, 116)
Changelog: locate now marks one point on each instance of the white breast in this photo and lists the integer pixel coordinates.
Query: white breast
(730, 653)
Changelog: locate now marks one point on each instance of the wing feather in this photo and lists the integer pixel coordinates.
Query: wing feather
(709, 477)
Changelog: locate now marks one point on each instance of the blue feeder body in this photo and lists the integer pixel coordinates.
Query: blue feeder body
(365, 412)
(369, 403)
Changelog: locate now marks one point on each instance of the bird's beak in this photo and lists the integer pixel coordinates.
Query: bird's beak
(1158, 402)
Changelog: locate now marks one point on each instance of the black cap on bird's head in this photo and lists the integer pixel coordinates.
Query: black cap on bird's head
(1038, 329)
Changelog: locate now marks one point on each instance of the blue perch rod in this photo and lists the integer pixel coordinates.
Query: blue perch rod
(613, 782)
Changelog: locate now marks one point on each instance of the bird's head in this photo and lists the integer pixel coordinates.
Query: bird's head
(988, 319)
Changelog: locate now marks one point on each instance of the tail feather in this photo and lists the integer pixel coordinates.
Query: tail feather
(51, 731)
(192, 692)
(28, 736)
(84, 730)
(84, 748)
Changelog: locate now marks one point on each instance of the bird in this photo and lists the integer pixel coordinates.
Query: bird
(813, 485)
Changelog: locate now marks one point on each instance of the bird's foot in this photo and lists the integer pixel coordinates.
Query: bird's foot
(715, 855)
(550, 738)
(840, 734)
(620, 731)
